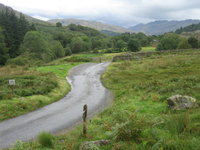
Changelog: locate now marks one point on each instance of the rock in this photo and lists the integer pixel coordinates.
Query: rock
(89, 145)
(180, 102)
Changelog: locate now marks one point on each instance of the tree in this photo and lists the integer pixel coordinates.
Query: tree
(57, 49)
(58, 24)
(3, 49)
(193, 42)
(14, 30)
(133, 45)
(183, 44)
(80, 44)
(35, 43)
(120, 44)
(168, 42)
(68, 51)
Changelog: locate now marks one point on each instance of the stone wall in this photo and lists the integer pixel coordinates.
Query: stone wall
(140, 55)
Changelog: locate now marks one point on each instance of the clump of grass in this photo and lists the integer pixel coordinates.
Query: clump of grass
(46, 139)
(18, 146)
(129, 130)
(178, 123)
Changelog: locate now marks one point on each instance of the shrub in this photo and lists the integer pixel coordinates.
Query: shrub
(77, 59)
(45, 139)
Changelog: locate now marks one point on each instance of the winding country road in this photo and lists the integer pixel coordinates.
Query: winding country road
(64, 114)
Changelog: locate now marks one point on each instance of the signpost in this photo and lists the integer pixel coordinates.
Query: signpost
(11, 83)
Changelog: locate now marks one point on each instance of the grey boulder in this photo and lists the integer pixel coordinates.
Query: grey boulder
(180, 102)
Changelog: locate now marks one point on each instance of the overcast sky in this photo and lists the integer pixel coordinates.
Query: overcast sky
(118, 12)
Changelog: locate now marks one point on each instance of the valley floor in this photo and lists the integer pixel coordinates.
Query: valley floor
(139, 118)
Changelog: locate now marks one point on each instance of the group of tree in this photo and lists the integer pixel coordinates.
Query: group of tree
(189, 28)
(12, 31)
(131, 41)
(172, 41)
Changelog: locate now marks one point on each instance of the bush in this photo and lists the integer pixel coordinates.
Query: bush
(168, 42)
(46, 139)
(77, 59)
(134, 45)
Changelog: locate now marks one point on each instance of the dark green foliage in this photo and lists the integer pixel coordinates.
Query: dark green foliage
(87, 31)
(3, 49)
(80, 44)
(57, 49)
(133, 45)
(184, 44)
(35, 43)
(193, 42)
(169, 41)
(68, 51)
(14, 30)
(120, 44)
(46, 139)
(189, 28)
(58, 24)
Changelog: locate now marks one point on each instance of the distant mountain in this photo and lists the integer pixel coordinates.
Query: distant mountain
(92, 24)
(163, 26)
(29, 18)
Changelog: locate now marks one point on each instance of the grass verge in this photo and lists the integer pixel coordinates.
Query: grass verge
(34, 88)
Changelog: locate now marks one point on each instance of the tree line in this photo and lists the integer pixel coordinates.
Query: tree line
(172, 41)
(12, 31)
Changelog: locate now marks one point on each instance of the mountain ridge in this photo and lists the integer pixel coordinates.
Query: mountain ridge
(162, 26)
(92, 24)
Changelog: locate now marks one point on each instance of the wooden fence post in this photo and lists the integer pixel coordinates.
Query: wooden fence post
(84, 120)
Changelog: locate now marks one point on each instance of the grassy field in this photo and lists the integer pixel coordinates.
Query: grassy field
(139, 118)
(34, 88)
(146, 49)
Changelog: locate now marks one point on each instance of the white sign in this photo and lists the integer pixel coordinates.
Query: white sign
(11, 82)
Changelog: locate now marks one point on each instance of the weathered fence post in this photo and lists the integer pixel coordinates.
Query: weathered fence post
(84, 120)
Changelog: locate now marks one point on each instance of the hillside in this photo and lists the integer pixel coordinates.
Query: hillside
(92, 24)
(163, 26)
(17, 13)
(190, 28)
